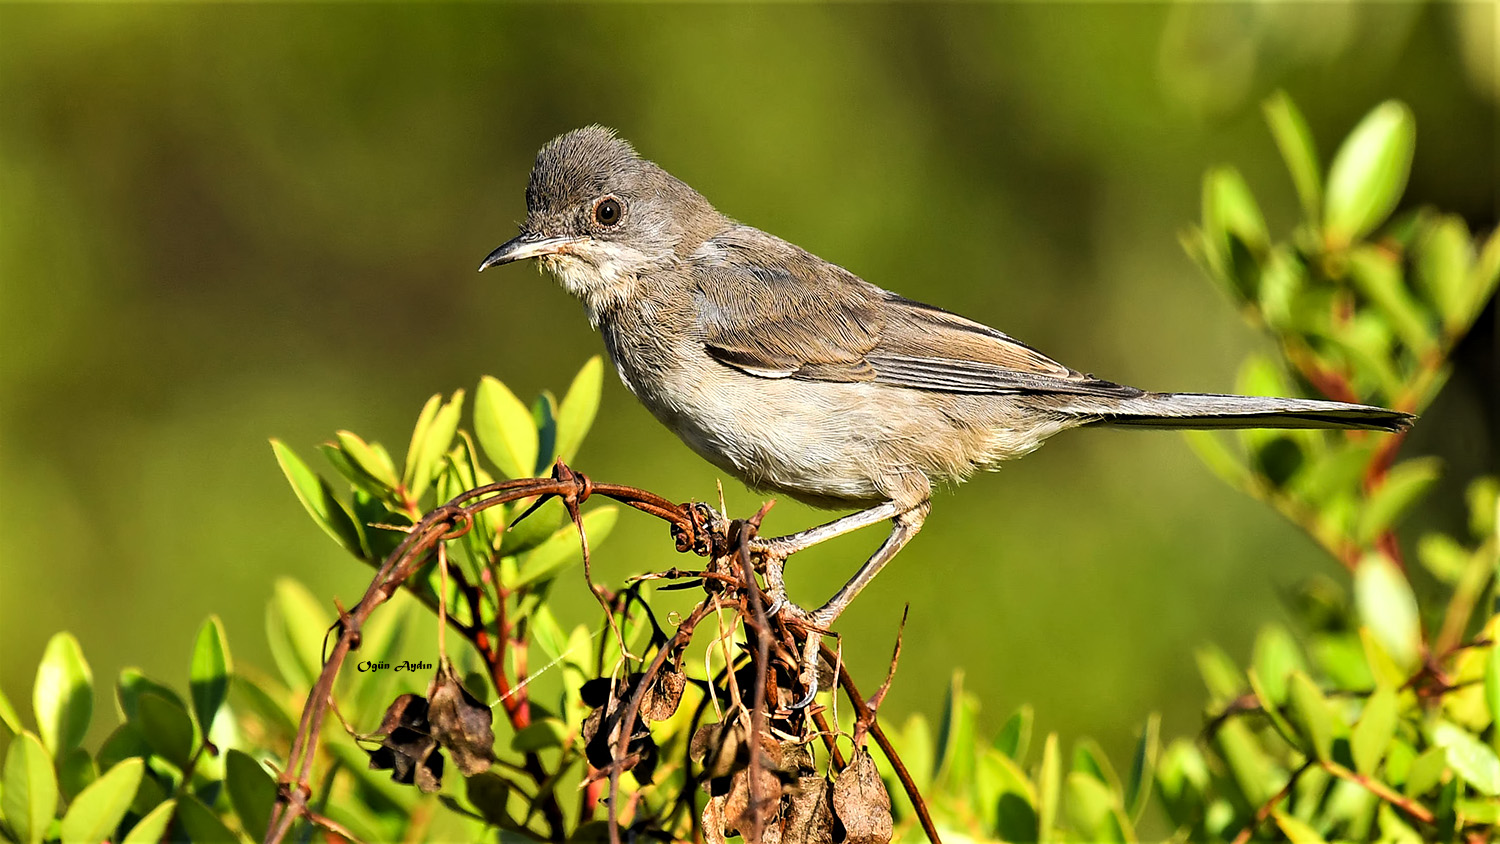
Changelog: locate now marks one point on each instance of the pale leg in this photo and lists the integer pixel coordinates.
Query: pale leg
(906, 524)
(777, 549)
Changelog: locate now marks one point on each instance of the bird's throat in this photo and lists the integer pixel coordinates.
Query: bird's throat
(600, 287)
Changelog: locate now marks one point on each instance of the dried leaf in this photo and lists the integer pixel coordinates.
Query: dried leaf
(809, 818)
(713, 821)
(461, 722)
(720, 749)
(408, 751)
(862, 803)
(601, 731)
(740, 814)
(664, 694)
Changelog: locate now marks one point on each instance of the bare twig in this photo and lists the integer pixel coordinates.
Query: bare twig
(1269, 806)
(907, 783)
(728, 581)
(1381, 790)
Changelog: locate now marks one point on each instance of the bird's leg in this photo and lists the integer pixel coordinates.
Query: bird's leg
(775, 550)
(785, 546)
(776, 584)
(906, 524)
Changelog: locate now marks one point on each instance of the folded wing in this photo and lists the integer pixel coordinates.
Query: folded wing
(773, 310)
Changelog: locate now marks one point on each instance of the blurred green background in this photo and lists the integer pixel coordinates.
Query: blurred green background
(222, 224)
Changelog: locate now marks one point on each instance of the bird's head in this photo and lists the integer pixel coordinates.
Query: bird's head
(598, 216)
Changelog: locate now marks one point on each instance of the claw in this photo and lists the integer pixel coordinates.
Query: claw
(809, 669)
(812, 692)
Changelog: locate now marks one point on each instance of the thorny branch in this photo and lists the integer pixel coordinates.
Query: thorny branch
(728, 581)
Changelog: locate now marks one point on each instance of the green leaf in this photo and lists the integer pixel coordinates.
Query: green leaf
(1234, 229)
(1378, 665)
(271, 708)
(1049, 791)
(1388, 608)
(1002, 795)
(1337, 472)
(1483, 279)
(94, 814)
(1092, 811)
(1275, 657)
(1492, 683)
(251, 791)
(544, 417)
(1182, 779)
(1272, 708)
(1372, 736)
(579, 406)
(126, 741)
(296, 624)
(1426, 772)
(63, 697)
(1483, 498)
(490, 792)
(29, 799)
(1015, 735)
(75, 772)
(1283, 278)
(1297, 831)
(1210, 448)
(356, 476)
(1143, 767)
(1407, 482)
(916, 747)
(10, 721)
(429, 442)
(1369, 173)
(1089, 758)
(563, 549)
(1312, 713)
(1444, 256)
(320, 501)
(504, 428)
(1377, 274)
(955, 763)
(1443, 557)
(1295, 141)
(1015, 812)
(1220, 674)
(1470, 757)
(167, 728)
(201, 824)
(208, 677)
(371, 459)
(419, 438)
(542, 734)
(132, 684)
(153, 827)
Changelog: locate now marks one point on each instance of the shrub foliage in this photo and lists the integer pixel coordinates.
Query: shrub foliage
(1371, 718)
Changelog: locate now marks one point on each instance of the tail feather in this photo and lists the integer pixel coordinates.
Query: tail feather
(1196, 410)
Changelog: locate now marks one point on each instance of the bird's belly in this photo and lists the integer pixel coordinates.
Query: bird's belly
(830, 444)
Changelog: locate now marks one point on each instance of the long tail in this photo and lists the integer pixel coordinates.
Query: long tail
(1195, 410)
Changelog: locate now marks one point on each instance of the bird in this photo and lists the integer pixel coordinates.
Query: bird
(798, 377)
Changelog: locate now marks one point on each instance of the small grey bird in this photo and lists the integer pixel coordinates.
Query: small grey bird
(795, 375)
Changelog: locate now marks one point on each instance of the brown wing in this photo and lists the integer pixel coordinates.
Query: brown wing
(928, 348)
(773, 310)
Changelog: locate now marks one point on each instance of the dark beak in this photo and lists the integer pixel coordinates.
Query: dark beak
(525, 246)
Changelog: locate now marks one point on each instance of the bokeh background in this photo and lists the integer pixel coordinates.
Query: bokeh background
(222, 224)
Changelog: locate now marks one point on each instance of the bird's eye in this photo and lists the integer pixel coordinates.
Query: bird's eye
(607, 211)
